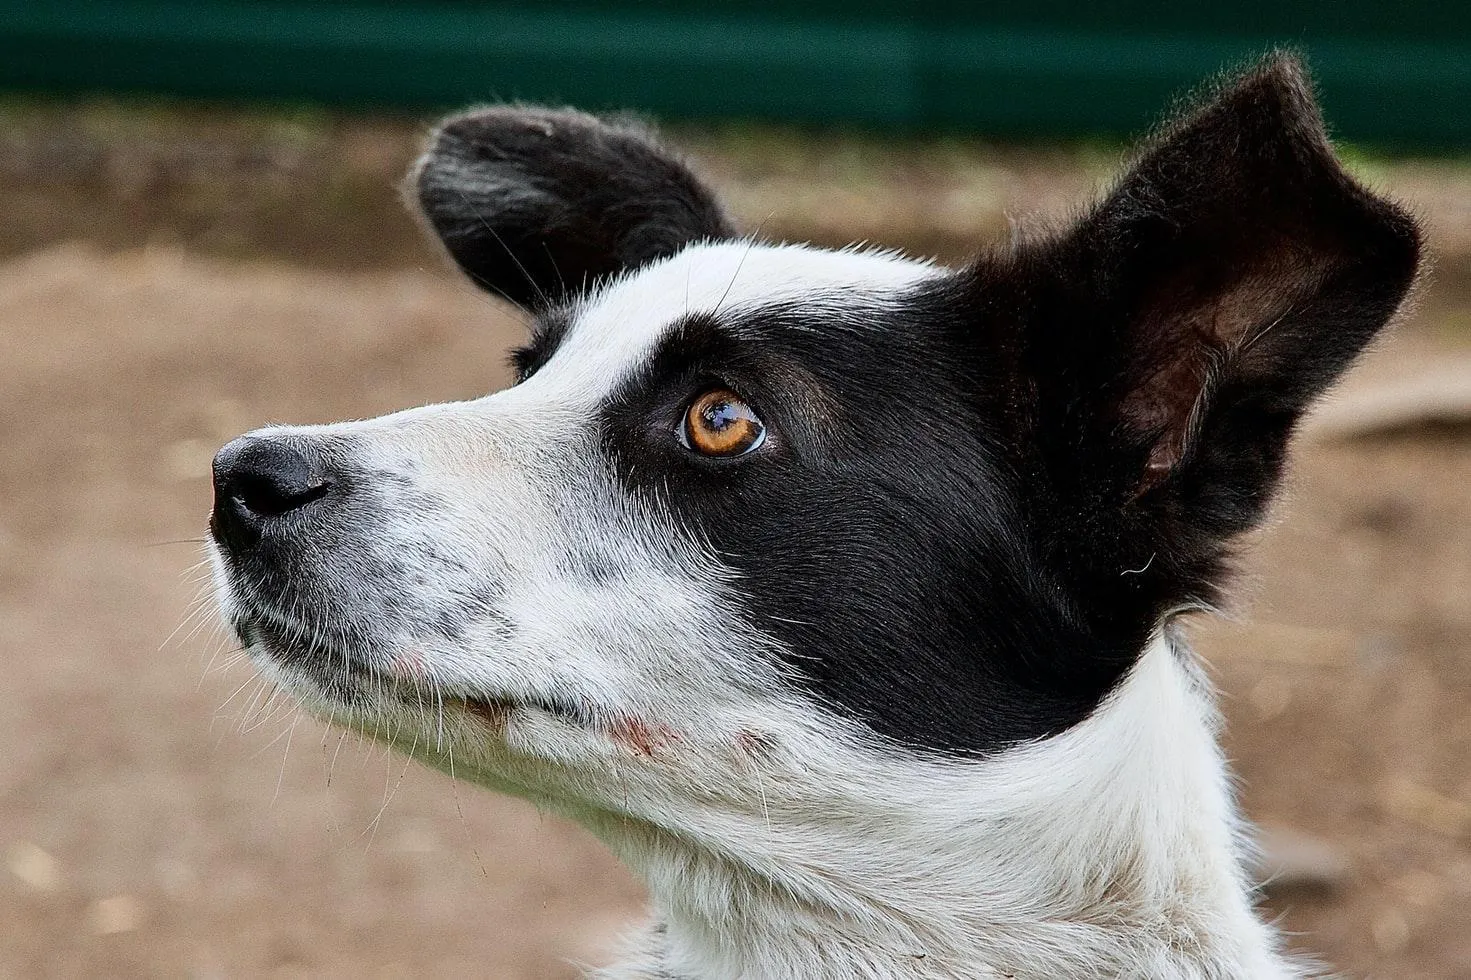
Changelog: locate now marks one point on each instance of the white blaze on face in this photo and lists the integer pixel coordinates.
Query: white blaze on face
(617, 328)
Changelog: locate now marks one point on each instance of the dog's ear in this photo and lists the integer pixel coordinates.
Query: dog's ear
(1173, 336)
(536, 203)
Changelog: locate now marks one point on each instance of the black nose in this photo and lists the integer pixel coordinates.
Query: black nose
(257, 481)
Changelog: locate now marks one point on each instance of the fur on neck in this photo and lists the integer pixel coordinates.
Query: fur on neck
(1111, 850)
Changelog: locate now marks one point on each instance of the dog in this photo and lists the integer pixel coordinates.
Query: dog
(837, 592)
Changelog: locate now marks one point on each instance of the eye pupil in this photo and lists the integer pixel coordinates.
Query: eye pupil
(719, 415)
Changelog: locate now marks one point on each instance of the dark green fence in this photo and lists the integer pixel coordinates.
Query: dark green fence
(1390, 72)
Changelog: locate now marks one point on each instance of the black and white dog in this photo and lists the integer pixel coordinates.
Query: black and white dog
(834, 589)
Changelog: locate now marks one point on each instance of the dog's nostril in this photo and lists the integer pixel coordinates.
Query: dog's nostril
(264, 495)
(258, 479)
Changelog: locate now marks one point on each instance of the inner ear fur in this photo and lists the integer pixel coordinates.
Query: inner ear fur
(536, 203)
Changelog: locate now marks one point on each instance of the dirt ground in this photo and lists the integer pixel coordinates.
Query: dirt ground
(161, 815)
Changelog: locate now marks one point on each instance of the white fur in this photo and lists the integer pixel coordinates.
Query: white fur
(617, 327)
(1108, 851)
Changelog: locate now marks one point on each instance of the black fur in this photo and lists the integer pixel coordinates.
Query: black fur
(1151, 362)
(878, 532)
(970, 516)
(536, 203)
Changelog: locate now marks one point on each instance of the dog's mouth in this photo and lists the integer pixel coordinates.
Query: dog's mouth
(353, 675)
(496, 711)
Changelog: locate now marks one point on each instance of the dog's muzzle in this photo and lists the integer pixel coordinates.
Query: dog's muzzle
(304, 583)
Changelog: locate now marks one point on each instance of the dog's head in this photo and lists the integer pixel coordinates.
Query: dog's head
(747, 500)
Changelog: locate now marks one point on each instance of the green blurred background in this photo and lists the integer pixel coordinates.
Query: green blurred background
(1394, 72)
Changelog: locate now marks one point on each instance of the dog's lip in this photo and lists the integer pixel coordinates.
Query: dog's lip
(262, 630)
(494, 712)
(496, 709)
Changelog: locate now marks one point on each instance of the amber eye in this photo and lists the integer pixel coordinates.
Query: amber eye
(719, 423)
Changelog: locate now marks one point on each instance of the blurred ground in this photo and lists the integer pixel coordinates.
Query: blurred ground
(159, 817)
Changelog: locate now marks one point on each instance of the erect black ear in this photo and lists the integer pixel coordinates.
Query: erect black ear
(1175, 334)
(535, 203)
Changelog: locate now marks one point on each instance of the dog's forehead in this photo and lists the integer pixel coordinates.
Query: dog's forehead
(615, 329)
